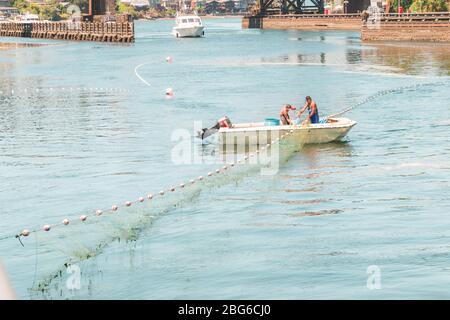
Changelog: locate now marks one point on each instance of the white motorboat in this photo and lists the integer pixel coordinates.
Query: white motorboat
(261, 133)
(188, 25)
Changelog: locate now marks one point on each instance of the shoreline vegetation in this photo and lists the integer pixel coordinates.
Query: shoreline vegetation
(52, 10)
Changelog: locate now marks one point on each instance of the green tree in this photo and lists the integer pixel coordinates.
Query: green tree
(49, 12)
(125, 8)
(403, 3)
(429, 6)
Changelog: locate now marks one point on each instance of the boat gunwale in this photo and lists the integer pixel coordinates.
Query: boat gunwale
(347, 124)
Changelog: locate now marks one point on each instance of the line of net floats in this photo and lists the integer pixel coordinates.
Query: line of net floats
(69, 89)
(150, 196)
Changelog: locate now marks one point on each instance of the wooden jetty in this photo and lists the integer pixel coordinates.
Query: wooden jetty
(79, 31)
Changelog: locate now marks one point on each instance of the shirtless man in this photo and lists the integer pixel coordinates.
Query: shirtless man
(313, 111)
(284, 115)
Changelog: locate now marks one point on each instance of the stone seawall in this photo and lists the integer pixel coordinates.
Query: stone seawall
(432, 27)
(404, 33)
(305, 22)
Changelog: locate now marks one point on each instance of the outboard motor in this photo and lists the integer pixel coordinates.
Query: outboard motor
(221, 123)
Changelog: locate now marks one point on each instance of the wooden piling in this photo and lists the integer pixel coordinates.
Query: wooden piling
(75, 31)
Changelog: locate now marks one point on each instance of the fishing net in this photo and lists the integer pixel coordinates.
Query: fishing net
(66, 244)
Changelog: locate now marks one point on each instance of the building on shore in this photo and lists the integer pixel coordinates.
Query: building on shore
(348, 6)
(137, 4)
(6, 10)
(227, 6)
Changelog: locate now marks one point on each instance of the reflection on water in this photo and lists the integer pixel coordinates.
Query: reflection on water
(432, 59)
(316, 213)
(18, 45)
(400, 58)
(313, 154)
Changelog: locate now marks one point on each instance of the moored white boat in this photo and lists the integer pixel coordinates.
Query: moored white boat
(188, 25)
(259, 133)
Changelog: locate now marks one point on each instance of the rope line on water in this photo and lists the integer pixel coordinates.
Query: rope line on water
(139, 76)
(387, 92)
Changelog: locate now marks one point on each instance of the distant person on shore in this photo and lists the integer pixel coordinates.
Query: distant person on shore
(284, 115)
(313, 111)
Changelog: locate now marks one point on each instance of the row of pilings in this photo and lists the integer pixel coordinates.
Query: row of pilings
(78, 31)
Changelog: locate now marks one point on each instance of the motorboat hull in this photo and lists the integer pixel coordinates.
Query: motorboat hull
(259, 134)
(188, 32)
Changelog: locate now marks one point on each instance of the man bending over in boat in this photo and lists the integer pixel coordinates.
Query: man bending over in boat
(284, 115)
(313, 112)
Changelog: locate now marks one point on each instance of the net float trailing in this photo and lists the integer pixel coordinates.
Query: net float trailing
(83, 218)
(169, 59)
(149, 196)
(114, 208)
(169, 92)
(141, 199)
(25, 232)
(128, 203)
(66, 222)
(98, 212)
(46, 227)
(200, 178)
(161, 192)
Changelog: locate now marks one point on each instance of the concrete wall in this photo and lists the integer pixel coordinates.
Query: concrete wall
(325, 23)
(437, 33)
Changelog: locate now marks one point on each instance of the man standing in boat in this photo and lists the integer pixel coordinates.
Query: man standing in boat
(313, 112)
(284, 115)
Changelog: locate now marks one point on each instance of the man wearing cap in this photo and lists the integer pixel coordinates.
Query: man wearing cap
(284, 115)
(313, 112)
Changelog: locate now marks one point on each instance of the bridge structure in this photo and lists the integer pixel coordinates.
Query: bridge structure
(101, 7)
(268, 7)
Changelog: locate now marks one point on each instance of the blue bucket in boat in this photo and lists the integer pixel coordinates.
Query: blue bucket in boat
(271, 122)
